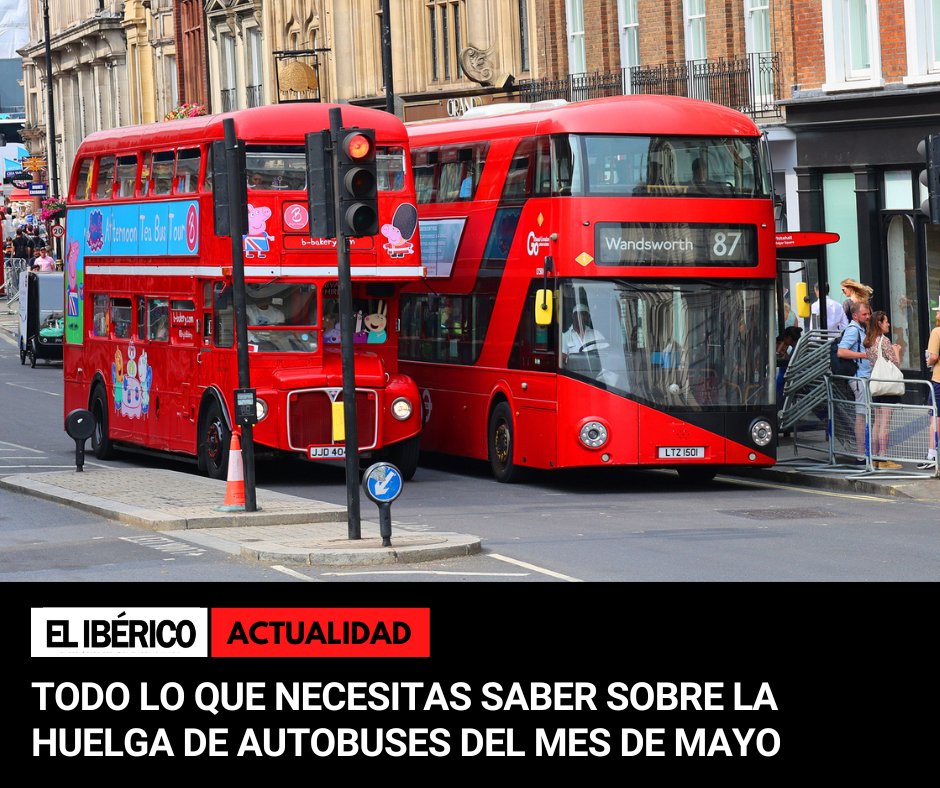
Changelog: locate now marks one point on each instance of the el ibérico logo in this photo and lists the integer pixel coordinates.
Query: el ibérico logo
(192, 228)
(296, 216)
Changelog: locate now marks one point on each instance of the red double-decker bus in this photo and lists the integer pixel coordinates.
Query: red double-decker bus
(600, 286)
(150, 339)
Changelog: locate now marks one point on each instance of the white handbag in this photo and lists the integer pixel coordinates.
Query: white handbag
(887, 380)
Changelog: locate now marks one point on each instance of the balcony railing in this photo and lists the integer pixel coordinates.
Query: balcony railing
(750, 83)
(255, 95)
(228, 100)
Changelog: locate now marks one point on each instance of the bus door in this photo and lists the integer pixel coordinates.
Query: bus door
(185, 343)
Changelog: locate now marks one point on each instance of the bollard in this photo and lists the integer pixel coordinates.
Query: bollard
(382, 484)
(80, 424)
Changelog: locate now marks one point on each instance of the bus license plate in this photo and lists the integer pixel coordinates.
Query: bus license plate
(327, 452)
(682, 452)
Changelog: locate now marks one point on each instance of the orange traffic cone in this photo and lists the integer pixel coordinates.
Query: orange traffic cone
(235, 484)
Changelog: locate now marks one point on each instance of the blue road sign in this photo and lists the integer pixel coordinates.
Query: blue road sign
(382, 482)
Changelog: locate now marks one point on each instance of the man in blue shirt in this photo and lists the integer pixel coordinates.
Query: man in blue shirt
(851, 347)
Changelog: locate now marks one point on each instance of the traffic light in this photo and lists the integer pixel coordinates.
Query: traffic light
(358, 183)
(929, 148)
(320, 185)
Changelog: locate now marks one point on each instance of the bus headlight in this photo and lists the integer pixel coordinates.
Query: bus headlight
(261, 409)
(593, 434)
(761, 432)
(402, 408)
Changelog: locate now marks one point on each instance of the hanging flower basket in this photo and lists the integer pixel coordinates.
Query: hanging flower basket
(51, 209)
(185, 111)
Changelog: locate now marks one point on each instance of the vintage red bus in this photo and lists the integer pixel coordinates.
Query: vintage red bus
(150, 340)
(648, 221)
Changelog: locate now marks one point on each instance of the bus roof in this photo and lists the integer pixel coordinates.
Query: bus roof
(278, 123)
(640, 114)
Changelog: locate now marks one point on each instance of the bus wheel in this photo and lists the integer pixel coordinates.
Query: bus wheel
(214, 440)
(404, 456)
(22, 353)
(696, 474)
(501, 443)
(33, 353)
(101, 444)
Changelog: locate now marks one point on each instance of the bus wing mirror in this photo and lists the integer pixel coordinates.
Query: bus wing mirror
(802, 302)
(543, 307)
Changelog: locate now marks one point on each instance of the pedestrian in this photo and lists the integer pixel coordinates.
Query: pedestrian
(9, 229)
(851, 346)
(786, 342)
(854, 292)
(43, 262)
(877, 343)
(23, 245)
(933, 357)
(836, 317)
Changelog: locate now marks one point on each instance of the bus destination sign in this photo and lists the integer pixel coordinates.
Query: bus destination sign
(627, 243)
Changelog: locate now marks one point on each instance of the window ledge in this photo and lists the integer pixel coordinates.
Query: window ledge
(922, 79)
(861, 84)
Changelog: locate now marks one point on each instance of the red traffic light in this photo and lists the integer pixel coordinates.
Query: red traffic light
(358, 147)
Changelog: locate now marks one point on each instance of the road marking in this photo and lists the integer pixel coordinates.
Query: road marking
(295, 574)
(812, 491)
(165, 545)
(534, 568)
(425, 572)
(17, 446)
(30, 388)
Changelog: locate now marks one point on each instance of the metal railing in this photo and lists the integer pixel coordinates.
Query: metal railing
(12, 266)
(749, 83)
(228, 99)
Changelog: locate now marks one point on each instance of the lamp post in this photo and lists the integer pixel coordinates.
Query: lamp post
(50, 121)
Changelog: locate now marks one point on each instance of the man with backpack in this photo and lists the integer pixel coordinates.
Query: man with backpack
(22, 245)
(851, 347)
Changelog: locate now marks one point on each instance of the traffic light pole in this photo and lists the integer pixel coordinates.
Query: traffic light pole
(346, 338)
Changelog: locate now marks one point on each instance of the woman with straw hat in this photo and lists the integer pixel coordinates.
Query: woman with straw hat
(854, 291)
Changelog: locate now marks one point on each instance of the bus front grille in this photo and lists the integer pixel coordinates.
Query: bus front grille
(310, 418)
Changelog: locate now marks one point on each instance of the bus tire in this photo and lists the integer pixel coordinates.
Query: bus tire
(214, 440)
(33, 353)
(101, 445)
(22, 353)
(404, 456)
(696, 474)
(501, 440)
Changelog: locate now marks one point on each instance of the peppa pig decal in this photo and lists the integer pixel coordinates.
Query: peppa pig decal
(131, 384)
(256, 242)
(71, 267)
(400, 231)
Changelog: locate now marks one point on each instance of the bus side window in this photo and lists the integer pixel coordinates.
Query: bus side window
(121, 317)
(83, 182)
(145, 181)
(141, 317)
(104, 184)
(100, 322)
(223, 317)
(521, 171)
(163, 172)
(126, 180)
(187, 171)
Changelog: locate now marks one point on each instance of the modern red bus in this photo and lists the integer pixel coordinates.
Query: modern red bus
(643, 227)
(150, 339)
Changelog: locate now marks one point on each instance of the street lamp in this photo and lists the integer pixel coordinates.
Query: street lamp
(50, 121)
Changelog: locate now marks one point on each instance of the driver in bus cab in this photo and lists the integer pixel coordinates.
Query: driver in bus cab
(581, 336)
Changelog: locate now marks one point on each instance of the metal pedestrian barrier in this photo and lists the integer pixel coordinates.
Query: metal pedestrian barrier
(834, 433)
(12, 267)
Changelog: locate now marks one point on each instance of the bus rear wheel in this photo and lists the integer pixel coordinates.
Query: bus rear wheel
(101, 444)
(501, 439)
(214, 440)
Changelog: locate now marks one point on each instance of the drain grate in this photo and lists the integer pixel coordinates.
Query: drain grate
(782, 514)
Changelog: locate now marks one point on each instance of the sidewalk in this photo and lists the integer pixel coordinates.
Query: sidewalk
(286, 528)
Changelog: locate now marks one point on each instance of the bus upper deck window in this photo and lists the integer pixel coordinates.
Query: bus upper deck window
(187, 171)
(126, 180)
(105, 178)
(162, 172)
(390, 169)
(145, 179)
(83, 182)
